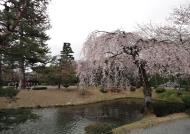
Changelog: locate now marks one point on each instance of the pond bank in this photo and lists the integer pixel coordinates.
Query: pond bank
(56, 98)
(148, 122)
(71, 120)
(181, 126)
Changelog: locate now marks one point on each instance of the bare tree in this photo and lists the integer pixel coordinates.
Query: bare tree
(175, 30)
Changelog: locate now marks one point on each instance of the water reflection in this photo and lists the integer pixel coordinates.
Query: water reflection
(73, 120)
(12, 117)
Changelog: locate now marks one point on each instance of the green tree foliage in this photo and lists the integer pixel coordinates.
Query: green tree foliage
(8, 22)
(61, 70)
(66, 65)
(26, 22)
(48, 75)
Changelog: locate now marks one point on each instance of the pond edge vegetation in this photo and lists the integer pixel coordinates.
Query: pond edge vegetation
(149, 121)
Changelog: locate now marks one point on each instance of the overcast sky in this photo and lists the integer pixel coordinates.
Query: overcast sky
(73, 20)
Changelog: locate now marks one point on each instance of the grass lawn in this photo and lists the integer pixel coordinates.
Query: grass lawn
(56, 97)
(147, 122)
(171, 95)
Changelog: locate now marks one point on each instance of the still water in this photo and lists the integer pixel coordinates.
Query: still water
(73, 120)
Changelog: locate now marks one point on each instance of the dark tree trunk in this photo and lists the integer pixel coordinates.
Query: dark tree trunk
(22, 76)
(59, 85)
(134, 52)
(146, 87)
(1, 80)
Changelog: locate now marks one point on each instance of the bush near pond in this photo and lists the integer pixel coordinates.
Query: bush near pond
(186, 100)
(99, 128)
(132, 88)
(162, 108)
(39, 88)
(175, 96)
(8, 92)
(103, 90)
(170, 95)
(160, 90)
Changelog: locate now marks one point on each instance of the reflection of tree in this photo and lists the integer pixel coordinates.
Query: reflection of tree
(117, 113)
(65, 116)
(114, 112)
(9, 118)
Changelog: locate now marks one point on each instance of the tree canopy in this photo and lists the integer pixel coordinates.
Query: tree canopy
(23, 33)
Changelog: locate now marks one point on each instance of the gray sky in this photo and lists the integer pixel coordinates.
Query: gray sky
(73, 20)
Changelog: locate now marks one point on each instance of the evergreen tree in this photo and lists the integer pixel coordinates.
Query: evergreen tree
(66, 65)
(9, 19)
(66, 54)
(27, 41)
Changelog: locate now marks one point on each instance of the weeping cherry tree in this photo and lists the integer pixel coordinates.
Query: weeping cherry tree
(117, 56)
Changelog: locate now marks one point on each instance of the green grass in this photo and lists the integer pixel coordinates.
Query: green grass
(173, 96)
(170, 95)
(148, 121)
(99, 128)
(186, 100)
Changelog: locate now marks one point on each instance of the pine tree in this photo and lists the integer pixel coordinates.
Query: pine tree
(9, 19)
(66, 64)
(27, 41)
(66, 53)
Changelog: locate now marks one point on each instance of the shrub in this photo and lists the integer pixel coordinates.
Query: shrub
(8, 92)
(170, 95)
(65, 85)
(186, 89)
(39, 88)
(132, 88)
(115, 90)
(188, 111)
(186, 100)
(99, 128)
(160, 90)
(174, 98)
(103, 90)
(162, 108)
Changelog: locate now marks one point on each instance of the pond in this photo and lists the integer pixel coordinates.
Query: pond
(70, 120)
